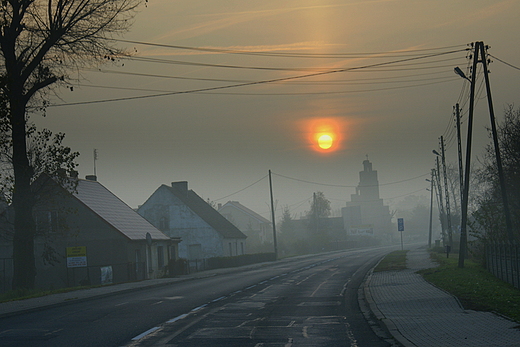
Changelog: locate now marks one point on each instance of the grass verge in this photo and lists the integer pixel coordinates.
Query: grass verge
(474, 286)
(392, 262)
(22, 294)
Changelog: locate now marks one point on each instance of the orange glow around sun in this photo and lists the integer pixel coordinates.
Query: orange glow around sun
(325, 135)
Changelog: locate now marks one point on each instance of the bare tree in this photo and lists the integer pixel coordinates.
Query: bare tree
(40, 40)
(490, 212)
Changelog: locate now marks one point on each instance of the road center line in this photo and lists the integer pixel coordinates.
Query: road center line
(182, 316)
(149, 331)
(199, 308)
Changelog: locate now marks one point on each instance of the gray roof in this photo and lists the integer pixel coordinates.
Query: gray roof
(246, 210)
(207, 213)
(115, 212)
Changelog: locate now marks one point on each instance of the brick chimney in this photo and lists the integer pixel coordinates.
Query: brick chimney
(181, 186)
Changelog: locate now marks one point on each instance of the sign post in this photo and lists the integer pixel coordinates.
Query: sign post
(76, 257)
(400, 228)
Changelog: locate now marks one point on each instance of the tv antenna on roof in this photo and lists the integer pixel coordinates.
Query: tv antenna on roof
(95, 158)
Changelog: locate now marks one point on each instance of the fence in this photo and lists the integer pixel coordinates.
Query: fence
(503, 261)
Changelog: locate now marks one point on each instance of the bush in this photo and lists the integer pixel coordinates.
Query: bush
(177, 267)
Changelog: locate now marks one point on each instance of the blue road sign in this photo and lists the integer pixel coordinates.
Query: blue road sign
(400, 224)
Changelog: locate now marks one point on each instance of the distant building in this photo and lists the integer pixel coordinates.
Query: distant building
(365, 214)
(95, 237)
(205, 233)
(258, 229)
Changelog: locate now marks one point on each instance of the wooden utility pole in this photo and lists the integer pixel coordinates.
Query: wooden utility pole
(459, 146)
(446, 190)
(273, 217)
(441, 203)
(431, 211)
(479, 56)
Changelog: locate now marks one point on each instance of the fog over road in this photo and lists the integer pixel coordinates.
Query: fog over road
(304, 301)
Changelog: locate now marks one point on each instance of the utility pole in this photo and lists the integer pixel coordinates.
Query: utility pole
(501, 177)
(431, 211)
(441, 203)
(479, 56)
(272, 217)
(316, 215)
(446, 189)
(461, 173)
(436, 188)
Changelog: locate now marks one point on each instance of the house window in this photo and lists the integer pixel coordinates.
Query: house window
(242, 247)
(164, 223)
(46, 221)
(160, 257)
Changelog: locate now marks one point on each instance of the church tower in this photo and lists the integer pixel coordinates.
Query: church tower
(365, 214)
(368, 187)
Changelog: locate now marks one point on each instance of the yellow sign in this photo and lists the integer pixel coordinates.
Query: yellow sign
(77, 256)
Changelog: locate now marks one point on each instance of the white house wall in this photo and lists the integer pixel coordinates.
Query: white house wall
(247, 224)
(233, 247)
(184, 223)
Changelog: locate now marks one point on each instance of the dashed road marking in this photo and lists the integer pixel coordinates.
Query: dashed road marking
(149, 331)
(199, 308)
(173, 320)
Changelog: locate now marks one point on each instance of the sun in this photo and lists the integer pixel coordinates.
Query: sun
(325, 141)
(324, 136)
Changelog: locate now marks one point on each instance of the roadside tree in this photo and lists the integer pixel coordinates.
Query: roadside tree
(489, 215)
(40, 41)
(320, 209)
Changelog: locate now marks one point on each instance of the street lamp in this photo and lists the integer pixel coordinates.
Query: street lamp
(459, 72)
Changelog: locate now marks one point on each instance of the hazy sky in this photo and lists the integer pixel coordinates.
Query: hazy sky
(388, 92)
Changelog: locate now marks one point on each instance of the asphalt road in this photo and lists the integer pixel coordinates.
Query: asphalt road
(306, 301)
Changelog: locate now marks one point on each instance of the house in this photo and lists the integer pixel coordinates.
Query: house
(205, 233)
(89, 236)
(366, 215)
(259, 230)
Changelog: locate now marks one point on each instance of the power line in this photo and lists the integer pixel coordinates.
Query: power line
(170, 77)
(289, 55)
(256, 82)
(378, 80)
(249, 186)
(349, 186)
(265, 68)
(503, 62)
(332, 92)
(400, 196)
(281, 93)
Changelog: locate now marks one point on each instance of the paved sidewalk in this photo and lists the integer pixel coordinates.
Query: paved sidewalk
(419, 314)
